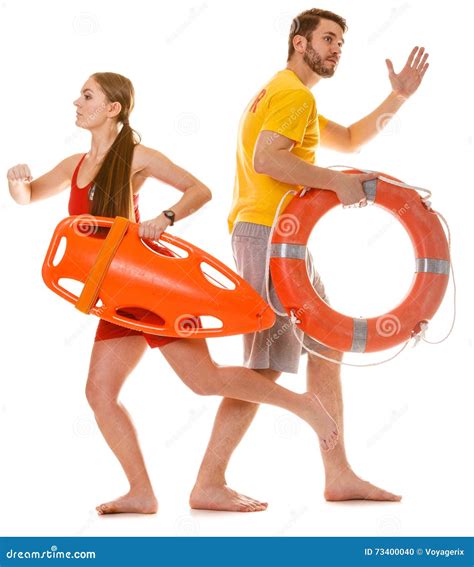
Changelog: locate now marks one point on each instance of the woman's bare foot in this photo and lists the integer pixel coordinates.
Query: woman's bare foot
(223, 498)
(132, 503)
(348, 486)
(316, 415)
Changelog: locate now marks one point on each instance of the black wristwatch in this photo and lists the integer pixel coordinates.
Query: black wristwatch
(169, 215)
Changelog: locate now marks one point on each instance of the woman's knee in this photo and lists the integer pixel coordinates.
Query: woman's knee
(98, 395)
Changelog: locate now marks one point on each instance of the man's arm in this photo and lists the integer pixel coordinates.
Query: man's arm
(344, 139)
(273, 157)
(368, 127)
(404, 84)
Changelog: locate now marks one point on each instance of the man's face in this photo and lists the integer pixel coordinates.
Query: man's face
(323, 52)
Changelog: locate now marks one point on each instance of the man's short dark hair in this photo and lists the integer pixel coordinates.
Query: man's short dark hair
(305, 23)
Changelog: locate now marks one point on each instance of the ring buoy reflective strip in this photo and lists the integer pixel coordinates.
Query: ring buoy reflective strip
(328, 326)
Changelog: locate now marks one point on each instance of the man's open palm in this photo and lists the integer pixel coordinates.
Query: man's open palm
(408, 80)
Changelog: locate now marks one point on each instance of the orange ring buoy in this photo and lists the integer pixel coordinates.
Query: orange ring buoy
(317, 318)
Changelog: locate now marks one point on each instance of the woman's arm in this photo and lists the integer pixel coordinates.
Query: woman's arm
(151, 163)
(25, 191)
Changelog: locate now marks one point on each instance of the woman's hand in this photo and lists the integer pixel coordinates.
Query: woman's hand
(19, 179)
(153, 228)
(20, 172)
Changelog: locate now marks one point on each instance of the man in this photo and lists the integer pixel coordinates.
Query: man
(278, 135)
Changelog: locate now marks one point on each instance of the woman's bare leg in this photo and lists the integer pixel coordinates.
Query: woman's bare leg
(111, 363)
(192, 362)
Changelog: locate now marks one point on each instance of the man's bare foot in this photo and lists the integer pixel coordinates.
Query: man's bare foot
(130, 503)
(348, 486)
(223, 498)
(316, 415)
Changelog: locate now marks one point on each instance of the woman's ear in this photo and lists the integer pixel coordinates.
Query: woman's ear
(114, 109)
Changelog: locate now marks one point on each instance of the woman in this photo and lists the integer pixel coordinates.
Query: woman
(118, 165)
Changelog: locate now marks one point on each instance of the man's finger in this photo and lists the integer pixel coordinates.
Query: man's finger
(422, 62)
(390, 66)
(418, 57)
(412, 56)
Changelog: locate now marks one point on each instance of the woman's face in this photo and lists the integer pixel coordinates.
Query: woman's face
(92, 107)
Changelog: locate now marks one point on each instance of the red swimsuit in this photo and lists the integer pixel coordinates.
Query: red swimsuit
(79, 204)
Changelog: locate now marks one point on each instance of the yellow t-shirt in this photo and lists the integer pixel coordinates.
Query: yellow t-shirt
(285, 106)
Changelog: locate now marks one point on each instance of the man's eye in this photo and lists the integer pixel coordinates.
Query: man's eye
(330, 38)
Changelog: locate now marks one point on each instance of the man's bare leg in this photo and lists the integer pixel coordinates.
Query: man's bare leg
(232, 422)
(324, 378)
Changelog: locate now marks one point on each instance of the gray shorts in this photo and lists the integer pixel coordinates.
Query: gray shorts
(276, 348)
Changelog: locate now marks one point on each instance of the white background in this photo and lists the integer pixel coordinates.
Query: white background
(195, 65)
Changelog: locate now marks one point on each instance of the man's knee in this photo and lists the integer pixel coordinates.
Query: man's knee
(269, 373)
(205, 380)
(327, 353)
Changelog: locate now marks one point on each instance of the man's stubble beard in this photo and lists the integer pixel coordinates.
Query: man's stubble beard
(315, 63)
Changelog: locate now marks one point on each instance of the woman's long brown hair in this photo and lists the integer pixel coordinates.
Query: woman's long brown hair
(113, 195)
